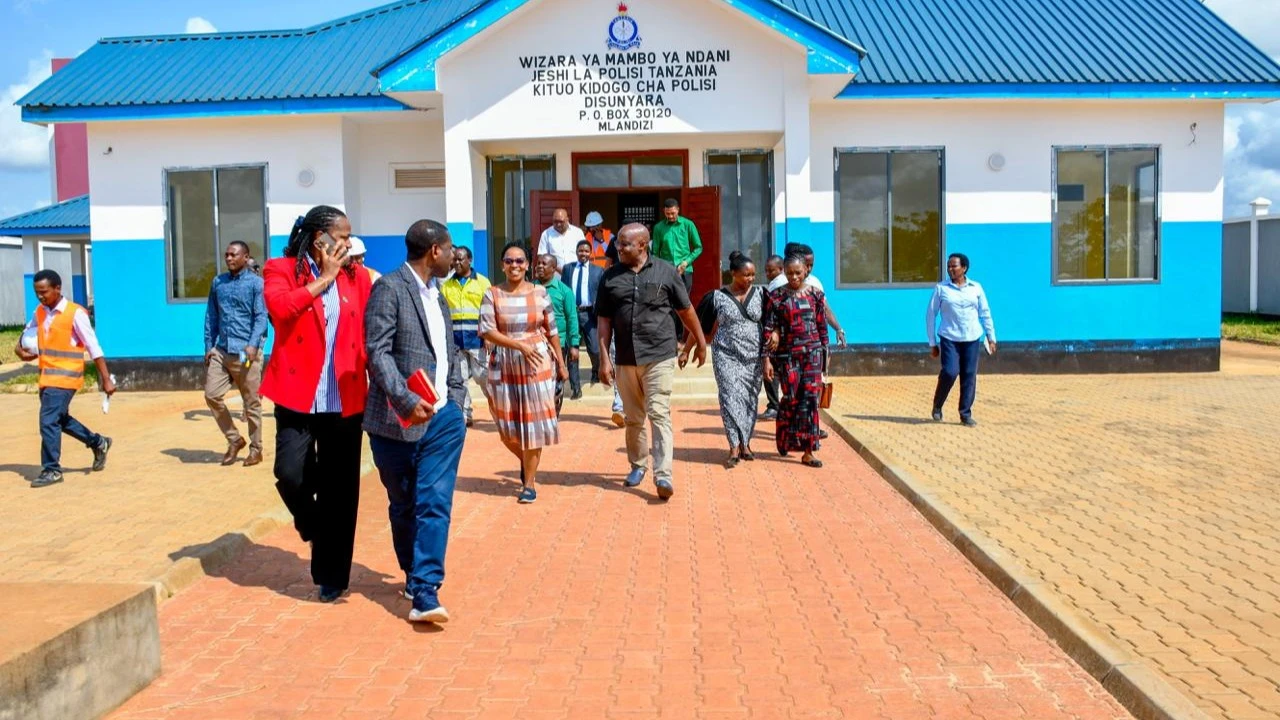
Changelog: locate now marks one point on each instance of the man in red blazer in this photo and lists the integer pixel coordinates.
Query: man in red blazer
(316, 377)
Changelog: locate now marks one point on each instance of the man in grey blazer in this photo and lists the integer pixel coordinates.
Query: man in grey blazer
(407, 328)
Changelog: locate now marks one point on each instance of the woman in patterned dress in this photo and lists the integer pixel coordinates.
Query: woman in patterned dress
(517, 321)
(733, 314)
(795, 326)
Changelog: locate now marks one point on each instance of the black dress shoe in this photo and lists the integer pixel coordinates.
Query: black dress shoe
(330, 594)
(937, 415)
(969, 422)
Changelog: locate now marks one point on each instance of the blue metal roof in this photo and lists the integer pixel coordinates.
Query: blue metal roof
(69, 217)
(333, 59)
(1042, 41)
(993, 44)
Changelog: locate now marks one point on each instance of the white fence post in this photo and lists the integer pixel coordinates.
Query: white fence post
(1261, 207)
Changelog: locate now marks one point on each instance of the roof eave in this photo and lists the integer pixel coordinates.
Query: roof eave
(1062, 91)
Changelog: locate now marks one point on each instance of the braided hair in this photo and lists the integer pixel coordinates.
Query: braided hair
(318, 219)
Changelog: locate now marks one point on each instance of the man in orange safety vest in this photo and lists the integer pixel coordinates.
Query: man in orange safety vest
(63, 335)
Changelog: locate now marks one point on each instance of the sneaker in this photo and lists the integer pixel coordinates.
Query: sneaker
(665, 491)
(527, 496)
(968, 422)
(427, 607)
(635, 477)
(937, 414)
(404, 592)
(619, 419)
(100, 453)
(769, 415)
(330, 594)
(46, 478)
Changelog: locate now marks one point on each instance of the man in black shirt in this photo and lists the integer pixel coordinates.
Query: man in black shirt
(636, 298)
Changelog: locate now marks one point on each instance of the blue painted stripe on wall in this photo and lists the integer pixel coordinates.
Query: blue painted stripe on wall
(295, 106)
(130, 283)
(480, 250)
(28, 280)
(79, 290)
(386, 252)
(1013, 264)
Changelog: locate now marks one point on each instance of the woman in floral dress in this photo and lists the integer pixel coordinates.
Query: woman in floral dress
(795, 326)
(733, 313)
(517, 321)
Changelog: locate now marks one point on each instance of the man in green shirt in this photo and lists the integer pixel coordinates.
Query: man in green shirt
(676, 240)
(547, 272)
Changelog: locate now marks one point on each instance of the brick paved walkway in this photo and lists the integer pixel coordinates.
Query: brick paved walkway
(163, 494)
(1149, 502)
(769, 591)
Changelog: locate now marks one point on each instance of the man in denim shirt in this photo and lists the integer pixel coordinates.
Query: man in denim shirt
(235, 327)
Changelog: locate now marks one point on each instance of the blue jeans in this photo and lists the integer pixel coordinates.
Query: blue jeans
(419, 477)
(959, 359)
(55, 419)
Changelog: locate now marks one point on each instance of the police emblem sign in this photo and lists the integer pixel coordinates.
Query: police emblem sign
(624, 33)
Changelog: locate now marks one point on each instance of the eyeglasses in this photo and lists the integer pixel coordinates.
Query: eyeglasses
(513, 261)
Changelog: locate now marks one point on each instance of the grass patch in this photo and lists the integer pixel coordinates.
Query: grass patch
(9, 338)
(1251, 328)
(90, 379)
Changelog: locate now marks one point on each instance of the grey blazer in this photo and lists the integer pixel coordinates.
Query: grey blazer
(398, 344)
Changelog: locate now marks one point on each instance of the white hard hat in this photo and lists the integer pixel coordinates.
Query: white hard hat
(594, 219)
(357, 247)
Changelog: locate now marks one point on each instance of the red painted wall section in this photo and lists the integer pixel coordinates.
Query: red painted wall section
(70, 154)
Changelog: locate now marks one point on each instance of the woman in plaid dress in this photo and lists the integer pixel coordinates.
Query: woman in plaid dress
(517, 321)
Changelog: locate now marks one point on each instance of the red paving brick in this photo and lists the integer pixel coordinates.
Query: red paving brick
(768, 591)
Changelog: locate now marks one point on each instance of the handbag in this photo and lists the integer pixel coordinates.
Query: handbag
(828, 389)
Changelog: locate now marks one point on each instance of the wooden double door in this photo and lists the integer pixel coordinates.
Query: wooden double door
(701, 205)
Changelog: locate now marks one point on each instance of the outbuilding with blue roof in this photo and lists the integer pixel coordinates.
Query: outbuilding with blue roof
(1073, 149)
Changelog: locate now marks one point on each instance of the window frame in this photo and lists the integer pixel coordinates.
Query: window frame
(737, 154)
(942, 213)
(217, 225)
(1106, 224)
(630, 156)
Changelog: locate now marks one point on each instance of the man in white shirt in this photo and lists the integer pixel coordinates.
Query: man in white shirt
(416, 444)
(561, 239)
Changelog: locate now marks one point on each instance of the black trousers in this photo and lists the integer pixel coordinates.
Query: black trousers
(771, 389)
(590, 336)
(318, 476)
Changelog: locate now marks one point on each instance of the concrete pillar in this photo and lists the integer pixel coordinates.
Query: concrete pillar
(796, 157)
(459, 175)
(1261, 206)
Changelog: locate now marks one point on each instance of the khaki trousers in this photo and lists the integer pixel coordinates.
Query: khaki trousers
(223, 372)
(473, 366)
(646, 392)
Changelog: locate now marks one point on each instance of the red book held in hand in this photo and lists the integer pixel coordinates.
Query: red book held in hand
(419, 383)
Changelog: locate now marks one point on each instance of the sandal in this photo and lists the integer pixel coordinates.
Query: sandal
(813, 463)
(748, 456)
(732, 462)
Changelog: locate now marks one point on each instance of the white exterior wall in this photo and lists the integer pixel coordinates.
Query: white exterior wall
(127, 185)
(1026, 133)
(372, 145)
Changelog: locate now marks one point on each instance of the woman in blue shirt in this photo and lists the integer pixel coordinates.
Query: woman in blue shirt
(966, 317)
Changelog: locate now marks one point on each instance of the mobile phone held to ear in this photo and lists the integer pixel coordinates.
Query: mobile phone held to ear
(326, 242)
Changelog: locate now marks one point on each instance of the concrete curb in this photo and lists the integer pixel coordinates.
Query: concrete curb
(1135, 685)
(186, 571)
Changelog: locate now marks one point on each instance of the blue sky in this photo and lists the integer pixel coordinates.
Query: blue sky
(36, 30)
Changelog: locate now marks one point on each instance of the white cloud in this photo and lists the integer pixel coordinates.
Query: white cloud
(22, 145)
(199, 26)
(1252, 141)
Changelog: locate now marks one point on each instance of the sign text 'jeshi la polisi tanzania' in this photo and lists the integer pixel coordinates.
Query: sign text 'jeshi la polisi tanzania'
(624, 92)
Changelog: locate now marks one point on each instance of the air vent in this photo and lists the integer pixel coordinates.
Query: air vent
(418, 177)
